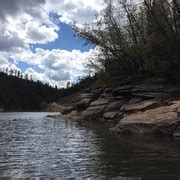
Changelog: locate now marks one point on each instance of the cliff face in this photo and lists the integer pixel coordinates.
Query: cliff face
(139, 108)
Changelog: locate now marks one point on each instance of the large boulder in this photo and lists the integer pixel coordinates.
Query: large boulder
(122, 90)
(73, 116)
(54, 107)
(68, 110)
(110, 115)
(159, 121)
(97, 90)
(83, 104)
(108, 90)
(88, 90)
(134, 100)
(115, 106)
(86, 96)
(92, 113)
(175, 104)
(100, 101)
(141, 106)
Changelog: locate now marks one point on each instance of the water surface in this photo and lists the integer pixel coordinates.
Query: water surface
(32, 145)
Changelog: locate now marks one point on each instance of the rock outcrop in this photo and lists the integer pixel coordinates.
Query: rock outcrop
(54, 107)
(93, 112)
(139, 108)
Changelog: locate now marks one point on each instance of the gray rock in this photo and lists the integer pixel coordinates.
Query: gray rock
(110, 115)
(159, 121)
(87, 96)
(116, 105)
(176, 132)
(72, 113)
(152, 95)
(83, 104)
(155, 88)
(106, 95)
(120, 98)
(135, 100)
(148, 88)
(76, 118)
(100, 101)
(68, 110)
(108, 90)
(92, 113)
(141, 106)
(54, 107)
(96, 91)
(122, 90)
(88, 90)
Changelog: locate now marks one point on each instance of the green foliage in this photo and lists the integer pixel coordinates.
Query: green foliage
(136, 39)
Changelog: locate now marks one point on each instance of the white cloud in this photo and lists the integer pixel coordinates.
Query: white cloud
(36, 33)
(16, 7)
(58, 66)
(3, 59)
(81, 15)
(76, 10)
(27, 22)
(24, 22)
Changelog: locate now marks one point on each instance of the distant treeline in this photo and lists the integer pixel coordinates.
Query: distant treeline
(15, 72)
(135, 40)
(26, 95)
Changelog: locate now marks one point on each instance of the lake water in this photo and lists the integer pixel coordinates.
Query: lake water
(32, 145)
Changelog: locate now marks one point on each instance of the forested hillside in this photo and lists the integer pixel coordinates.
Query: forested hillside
(26, 95)
(21, 94)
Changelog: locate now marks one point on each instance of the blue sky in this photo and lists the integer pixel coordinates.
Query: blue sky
(37, 38)
(65, 41)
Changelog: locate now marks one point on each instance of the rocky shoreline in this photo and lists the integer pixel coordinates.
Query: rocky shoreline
(139, 108)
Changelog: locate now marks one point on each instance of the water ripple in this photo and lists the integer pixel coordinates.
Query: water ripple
(32, 145)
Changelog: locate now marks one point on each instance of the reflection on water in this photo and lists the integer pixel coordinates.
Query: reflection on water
(32, 145)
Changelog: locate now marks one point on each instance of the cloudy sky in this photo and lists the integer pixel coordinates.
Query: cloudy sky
(36, 38)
